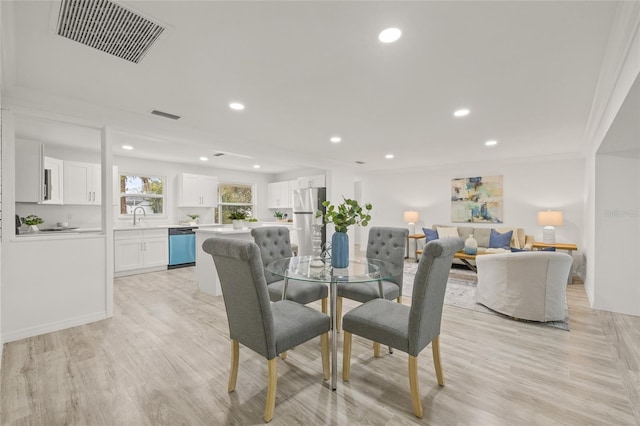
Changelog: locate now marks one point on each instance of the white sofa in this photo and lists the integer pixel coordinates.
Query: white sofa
(527, 285)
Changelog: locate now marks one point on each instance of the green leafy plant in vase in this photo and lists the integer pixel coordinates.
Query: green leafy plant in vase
(237, 217)
(278, 215)
(32, 221)
(194, 218)
(344, 215)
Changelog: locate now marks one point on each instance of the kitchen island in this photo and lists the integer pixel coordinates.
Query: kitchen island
(206, 272)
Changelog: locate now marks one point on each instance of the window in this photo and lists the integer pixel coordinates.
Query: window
(233, 197)
(142, 191)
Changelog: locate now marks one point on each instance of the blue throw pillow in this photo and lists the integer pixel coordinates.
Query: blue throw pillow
(498, 240)
(431, 234)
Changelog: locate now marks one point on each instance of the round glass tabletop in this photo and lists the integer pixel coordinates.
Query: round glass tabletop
(310, 268)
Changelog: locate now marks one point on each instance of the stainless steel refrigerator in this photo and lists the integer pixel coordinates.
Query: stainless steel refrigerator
(306, 202)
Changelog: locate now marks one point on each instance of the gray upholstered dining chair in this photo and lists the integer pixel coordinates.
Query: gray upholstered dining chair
(384, 243)
(274, 244)
(408, 329)
(268, 328)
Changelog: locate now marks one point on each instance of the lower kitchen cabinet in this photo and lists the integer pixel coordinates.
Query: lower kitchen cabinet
(138, 251)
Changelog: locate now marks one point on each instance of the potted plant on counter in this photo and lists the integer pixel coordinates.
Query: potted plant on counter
(343, 216)
(194, 219)
(237, 218)
(32, 221)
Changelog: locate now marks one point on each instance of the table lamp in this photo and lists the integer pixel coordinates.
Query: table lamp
(549, 219)
(411, 217)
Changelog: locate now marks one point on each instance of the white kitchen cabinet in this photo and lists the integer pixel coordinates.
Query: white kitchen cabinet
(280, 194)
(29, 172)
(82, 183)
(197, 190)
(54, 181)
(138, 251)
(317, 181)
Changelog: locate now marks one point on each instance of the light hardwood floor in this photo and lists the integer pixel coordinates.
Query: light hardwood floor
(163, 359)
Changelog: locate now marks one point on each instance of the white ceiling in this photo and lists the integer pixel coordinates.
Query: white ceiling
(310, 70)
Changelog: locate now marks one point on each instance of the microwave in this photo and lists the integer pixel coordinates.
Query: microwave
(46, 194)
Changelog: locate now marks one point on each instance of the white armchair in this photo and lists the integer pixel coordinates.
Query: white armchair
(527, 285)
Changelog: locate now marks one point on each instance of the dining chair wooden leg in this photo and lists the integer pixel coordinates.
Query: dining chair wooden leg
(339, 314)
(413, 384)
(346, 357)
(235, 358)
(270, 405)
(376, 349)
(324, 305)
(283, 355)
(435, 348)
(324, 343)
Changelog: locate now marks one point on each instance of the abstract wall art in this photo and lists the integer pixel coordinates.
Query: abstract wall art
(477, 199)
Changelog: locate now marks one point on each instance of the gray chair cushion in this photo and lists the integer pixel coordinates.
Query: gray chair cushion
(266, 327)
(302, 292)
(366, 320)
(363, 292)
(385, 243)
(294, 324)
(409, 329)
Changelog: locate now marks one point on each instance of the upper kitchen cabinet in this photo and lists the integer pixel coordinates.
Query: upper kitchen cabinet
(38, 178)
(197, 190)
(29, 171)
(82, 183)
(277, 195)
(317, 181)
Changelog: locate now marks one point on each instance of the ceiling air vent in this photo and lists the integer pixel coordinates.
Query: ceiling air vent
(108, 27)
(218, 154)
(165, 114)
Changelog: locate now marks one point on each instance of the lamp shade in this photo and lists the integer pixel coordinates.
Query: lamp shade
(550, 218)
(411, 216)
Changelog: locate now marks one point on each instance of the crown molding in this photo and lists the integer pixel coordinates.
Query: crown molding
(620, 67)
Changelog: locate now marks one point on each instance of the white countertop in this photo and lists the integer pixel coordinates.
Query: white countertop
(223, 231)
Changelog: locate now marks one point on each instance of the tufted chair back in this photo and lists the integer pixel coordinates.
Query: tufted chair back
(274, 244)
(387, 243)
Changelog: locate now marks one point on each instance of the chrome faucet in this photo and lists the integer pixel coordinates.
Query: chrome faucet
(134, 215)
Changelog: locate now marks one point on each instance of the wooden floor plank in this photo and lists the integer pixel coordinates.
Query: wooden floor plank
(163, 359)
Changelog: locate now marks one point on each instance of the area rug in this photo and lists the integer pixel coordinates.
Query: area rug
(461, 291)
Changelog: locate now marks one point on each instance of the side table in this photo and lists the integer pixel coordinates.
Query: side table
(415, 237)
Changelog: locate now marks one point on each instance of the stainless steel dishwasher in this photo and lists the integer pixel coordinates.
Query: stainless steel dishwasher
(182, 247)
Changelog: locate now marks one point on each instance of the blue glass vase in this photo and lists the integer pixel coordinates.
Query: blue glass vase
(340, 250)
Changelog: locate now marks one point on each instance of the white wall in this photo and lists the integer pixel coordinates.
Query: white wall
(617, 270)
(35, 301)
(171, 170)
(529, 186)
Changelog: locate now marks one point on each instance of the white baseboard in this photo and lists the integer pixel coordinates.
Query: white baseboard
(24, 333)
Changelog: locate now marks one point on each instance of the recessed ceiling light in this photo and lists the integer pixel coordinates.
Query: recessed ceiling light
(389, 35)
(127, 147)
(236, 106)
(388, 156)
(336, 139)
(461, 112)
(491, 143)
(204, 158)
(256, 166)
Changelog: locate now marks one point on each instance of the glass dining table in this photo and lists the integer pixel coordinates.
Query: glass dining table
(317, 269)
